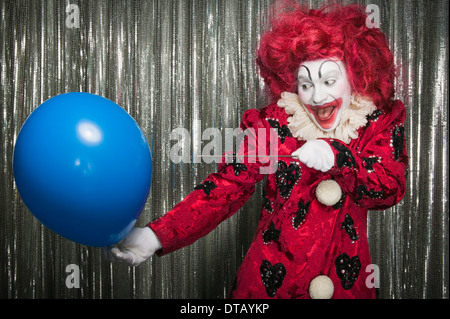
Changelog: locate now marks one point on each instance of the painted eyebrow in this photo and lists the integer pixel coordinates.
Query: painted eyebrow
(320, 68)
(309, 73)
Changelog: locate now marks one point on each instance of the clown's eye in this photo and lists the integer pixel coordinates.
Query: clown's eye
(306, 86)
(330, 82)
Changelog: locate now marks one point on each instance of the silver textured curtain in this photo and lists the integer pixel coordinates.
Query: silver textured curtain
(191, 64)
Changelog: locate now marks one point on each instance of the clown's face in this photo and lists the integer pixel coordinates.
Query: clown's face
(325, 91)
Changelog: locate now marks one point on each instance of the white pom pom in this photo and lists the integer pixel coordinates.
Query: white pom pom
(321, 287)
(328, 192)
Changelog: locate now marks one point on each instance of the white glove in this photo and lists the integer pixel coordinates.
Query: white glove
(316, 154)
(139, 245)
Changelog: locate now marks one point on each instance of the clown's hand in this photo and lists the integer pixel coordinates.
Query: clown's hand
(139, 245)
(316, 154)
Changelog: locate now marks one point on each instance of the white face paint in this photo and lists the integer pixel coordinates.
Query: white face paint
(325, 91)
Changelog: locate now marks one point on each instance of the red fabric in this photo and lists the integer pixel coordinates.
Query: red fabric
(371, 173)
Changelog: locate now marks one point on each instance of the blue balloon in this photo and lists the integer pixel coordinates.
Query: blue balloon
(83, 167)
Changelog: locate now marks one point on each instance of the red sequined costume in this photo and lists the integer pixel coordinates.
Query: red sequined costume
(298, 238)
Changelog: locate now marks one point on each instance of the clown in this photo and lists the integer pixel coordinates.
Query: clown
(341, 151)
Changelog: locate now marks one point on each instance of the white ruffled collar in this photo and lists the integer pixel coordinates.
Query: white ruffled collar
(303, 128)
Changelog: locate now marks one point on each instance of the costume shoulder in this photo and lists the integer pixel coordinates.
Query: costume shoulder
(398, 111)
(390, 117)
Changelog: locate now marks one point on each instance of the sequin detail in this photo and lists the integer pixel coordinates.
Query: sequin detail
(272, 276)
(398, 136)
(300, 216)
(207, 187)
(271, 234)
(287, 177)
(238, 167)
(340, 203)
(344, 156)
(282, 130)
(373, 117)
(369, 162)
(363, 191)
(348, 226)
(347, 269)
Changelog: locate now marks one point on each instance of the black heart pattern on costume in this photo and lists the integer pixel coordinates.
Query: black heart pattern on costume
(287, 177)
(272, 276)
(347, 269)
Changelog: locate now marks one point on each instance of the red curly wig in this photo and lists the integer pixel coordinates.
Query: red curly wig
(333, 31)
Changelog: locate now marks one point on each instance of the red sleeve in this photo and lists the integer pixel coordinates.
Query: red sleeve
(217, 198)
(372, 171)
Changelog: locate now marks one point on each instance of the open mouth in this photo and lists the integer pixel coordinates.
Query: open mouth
(325, 114)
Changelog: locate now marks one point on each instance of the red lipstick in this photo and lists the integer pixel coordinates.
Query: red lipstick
(325, 114)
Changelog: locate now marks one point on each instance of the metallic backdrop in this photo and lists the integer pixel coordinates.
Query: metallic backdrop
(191, 64)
